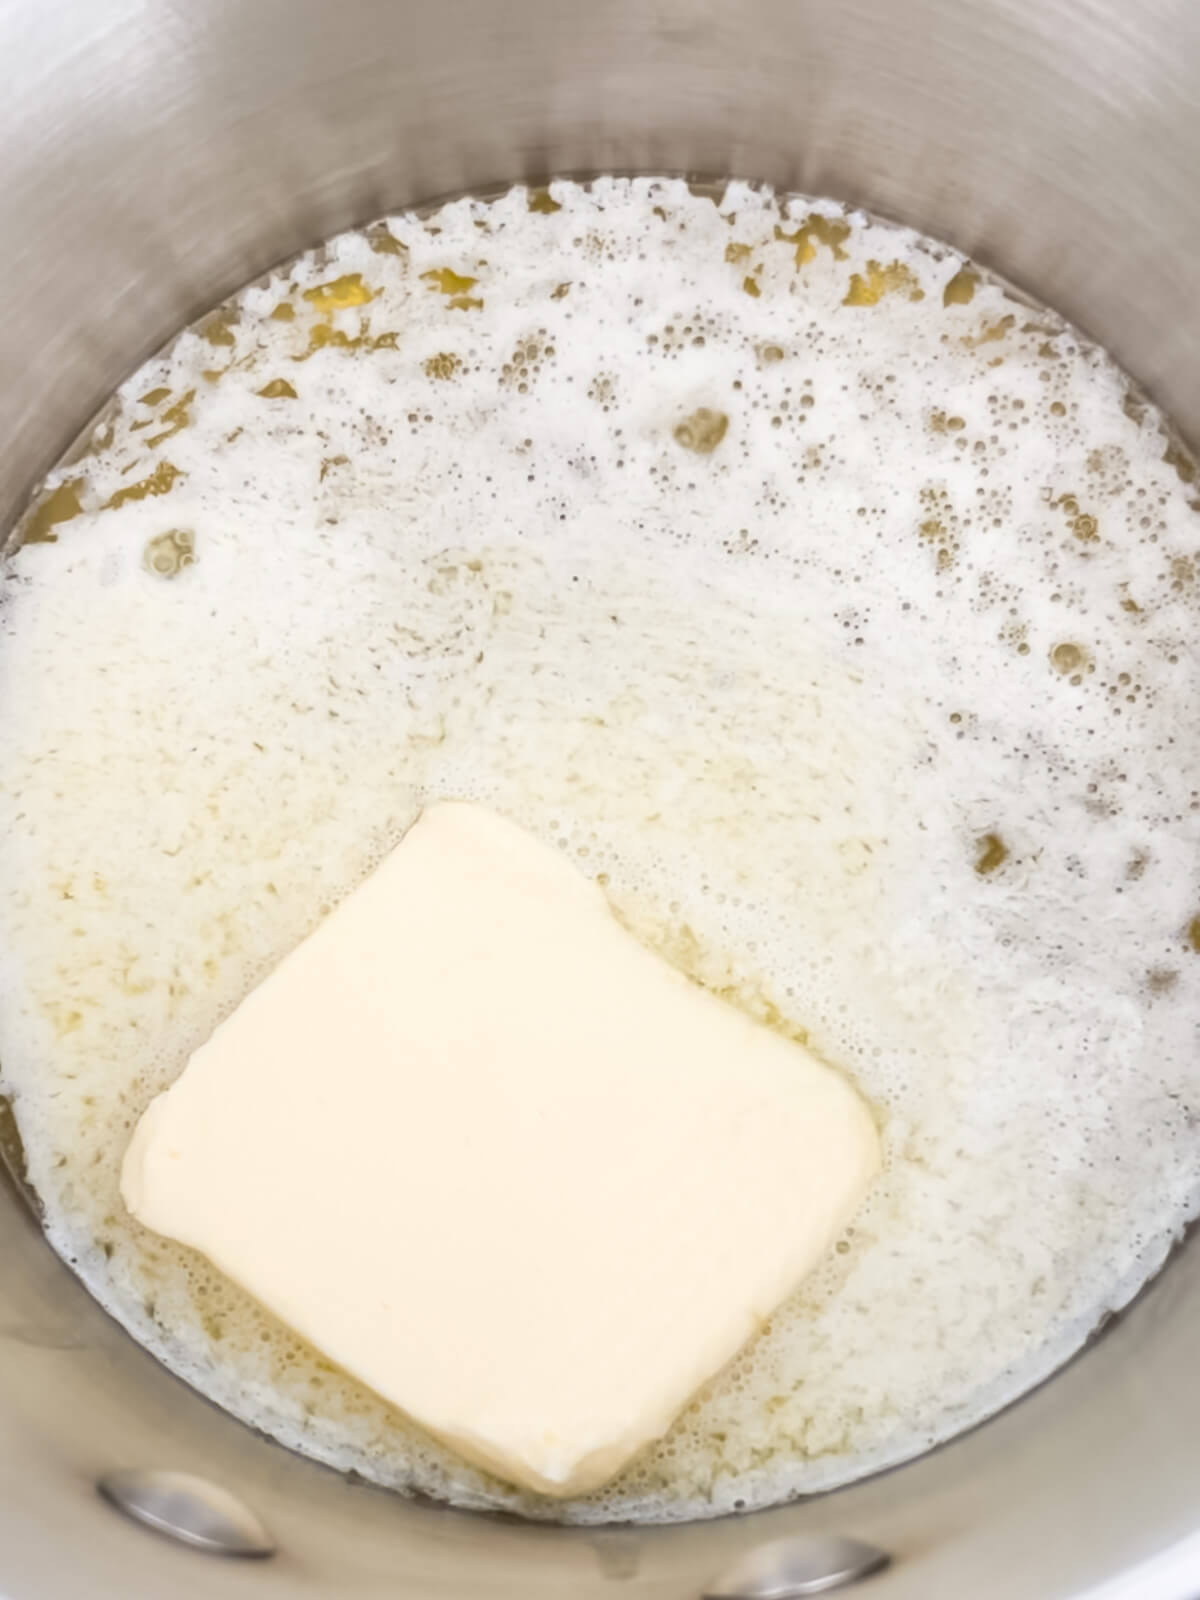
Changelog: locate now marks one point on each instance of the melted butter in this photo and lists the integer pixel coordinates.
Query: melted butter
(992, 853)
(960, 290)
(869, 288)
(1175, 456)
(277, 389)
(339, 294)
(325, 337)
(1068, 658)
(168, 554)
(991, 333)
(177, 418)
(442, 366)
(384, 242)
(692, 725)
(218, 329)
(161, 481)
(59, 506)
(444, 280)
(702, 431)
(832, 232)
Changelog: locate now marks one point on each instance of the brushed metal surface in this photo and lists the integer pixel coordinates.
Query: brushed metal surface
(788, 1569)
(158, 153)
(193, 1511)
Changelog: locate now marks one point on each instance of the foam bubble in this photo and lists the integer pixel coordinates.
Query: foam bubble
(829, 604)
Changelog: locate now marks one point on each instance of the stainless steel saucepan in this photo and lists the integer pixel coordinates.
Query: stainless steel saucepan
(156, 154)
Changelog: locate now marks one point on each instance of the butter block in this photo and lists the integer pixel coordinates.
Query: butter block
(499, 1161)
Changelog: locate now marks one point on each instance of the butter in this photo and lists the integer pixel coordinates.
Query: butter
(500, 1162)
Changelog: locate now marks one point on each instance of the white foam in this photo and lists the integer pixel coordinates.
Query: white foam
(780, 695)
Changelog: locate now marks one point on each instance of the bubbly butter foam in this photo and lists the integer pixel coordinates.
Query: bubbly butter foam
(824, 601)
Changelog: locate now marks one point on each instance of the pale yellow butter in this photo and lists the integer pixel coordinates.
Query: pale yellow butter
(499, 1161)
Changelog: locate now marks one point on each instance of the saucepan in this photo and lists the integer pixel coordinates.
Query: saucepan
(158, 154)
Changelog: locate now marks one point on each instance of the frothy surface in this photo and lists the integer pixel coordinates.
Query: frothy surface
(829, 605)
